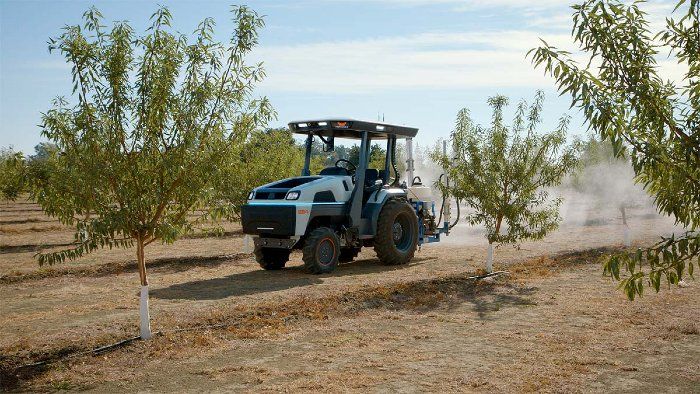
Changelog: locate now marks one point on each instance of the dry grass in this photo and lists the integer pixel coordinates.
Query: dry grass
(686, 328)
(264, 320)
(186, 336)
(204, 313)
(547, 266)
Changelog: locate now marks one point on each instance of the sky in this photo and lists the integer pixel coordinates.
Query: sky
(414, 62)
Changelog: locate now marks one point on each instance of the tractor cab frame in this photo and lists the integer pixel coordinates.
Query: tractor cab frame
(327, 130)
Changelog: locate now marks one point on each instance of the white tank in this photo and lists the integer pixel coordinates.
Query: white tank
(420, 193)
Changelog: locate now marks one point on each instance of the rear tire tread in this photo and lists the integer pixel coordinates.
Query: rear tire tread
(384, 245)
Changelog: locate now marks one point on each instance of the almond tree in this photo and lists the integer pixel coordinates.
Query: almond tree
(12, 174)
(609, 179)
(265, 156)
(502, 173)
(153, 120)
(656, 122)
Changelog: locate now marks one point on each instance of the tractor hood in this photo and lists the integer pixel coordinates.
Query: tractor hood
(305, 189)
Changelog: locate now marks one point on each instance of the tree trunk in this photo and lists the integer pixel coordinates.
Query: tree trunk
(627, 236)
(489, 259)
(489, 255)
(626, 228)
(248, 246)
(145, 315)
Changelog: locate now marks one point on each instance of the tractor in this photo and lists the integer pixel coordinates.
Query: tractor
(332, 215)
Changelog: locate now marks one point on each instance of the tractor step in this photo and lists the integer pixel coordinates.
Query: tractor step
(278, 243)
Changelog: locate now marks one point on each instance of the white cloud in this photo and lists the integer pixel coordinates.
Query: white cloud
(561, 21)
(427, 61)
(469, 5)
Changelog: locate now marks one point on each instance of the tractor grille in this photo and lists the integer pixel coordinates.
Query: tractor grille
(262, 195)
(268, 219)
(271, 193)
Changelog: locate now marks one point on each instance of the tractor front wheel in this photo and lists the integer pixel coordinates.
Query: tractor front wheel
(348, 254)
(321, 251)
(271, 258)
(397, 233)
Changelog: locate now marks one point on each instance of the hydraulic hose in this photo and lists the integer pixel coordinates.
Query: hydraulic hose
(442, 207)
(457, 219)
(397, 176)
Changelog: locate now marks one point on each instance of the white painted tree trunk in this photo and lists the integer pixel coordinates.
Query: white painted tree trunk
(627, 236)
(248, 246)
(143, 306)
(489, 259)
(145, 316)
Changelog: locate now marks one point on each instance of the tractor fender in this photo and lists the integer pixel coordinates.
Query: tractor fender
(374, 205)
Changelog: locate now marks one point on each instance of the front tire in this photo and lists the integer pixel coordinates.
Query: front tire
(321, 251)
(271, 258)
(397, 233)
(348, 254)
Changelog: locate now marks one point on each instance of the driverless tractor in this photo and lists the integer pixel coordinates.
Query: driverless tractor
(332, 215)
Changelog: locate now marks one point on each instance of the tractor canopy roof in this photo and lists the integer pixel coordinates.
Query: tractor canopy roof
(351, 128)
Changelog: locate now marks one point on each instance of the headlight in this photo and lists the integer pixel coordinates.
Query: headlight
(293, 195)
(251, 195)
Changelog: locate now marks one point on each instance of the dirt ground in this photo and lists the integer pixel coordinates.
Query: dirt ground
(553, 324)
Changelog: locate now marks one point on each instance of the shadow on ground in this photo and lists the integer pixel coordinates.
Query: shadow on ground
(29, 220)
(486, 305)
(261, 281)
(461, 291)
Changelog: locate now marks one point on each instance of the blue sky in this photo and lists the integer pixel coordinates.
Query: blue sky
(416, 61)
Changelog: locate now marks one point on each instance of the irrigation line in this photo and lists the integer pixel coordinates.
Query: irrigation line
(490, 274)
(106, 348)
(94, 352)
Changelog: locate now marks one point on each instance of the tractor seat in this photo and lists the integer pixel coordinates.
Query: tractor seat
(337, 171)
(371, 175)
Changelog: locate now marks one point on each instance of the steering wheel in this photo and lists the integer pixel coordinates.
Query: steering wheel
(351, 168)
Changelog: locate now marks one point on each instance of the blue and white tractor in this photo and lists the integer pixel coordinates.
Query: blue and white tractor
(332, 215)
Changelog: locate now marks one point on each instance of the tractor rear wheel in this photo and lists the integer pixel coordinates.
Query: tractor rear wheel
(271, 258)
(321, 251)
(397, 233)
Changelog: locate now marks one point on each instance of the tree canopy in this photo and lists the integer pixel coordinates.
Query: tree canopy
(12, 174)
(157, 116)
(265, 157)
(502, 172)
(154, 121)
(655, 121)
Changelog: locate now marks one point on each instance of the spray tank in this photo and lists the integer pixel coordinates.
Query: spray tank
(422, 197)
